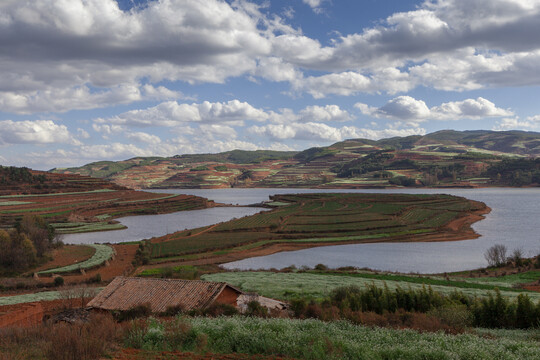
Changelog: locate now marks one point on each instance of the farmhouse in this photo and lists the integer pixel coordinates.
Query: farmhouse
(124, 293)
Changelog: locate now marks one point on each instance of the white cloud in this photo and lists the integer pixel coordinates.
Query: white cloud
(315, 5)
(515, 123)
(171, 113)
(324, 114)
(323, 132)
(143, 137)
(409, 109)
(51, 45)
(34, 132)
(346, 83)
(304, 131)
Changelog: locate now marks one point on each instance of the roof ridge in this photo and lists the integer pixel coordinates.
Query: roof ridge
(169, 279)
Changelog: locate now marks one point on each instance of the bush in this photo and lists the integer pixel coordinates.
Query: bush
(138, 311)
(496, 255)
(321, 267)
(58, 281)
(254, 308)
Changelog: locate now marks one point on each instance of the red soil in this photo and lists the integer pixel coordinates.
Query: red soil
(132, 354)
(120, 265)
(67, 255)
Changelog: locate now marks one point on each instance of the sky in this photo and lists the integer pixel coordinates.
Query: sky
(90, 80)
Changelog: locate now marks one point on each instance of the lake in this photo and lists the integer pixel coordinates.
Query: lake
(512, 222)
(147, 226)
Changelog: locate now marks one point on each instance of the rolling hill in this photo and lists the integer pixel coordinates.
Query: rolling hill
(443, 158)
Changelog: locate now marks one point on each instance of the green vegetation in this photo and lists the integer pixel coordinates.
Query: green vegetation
(317, 286)
(103, 253)
(314, 339)
(313, 218)
(27, 244)
(57, 194)
(40, 296)
(80, 227)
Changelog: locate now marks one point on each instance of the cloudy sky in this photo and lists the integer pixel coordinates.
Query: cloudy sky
(87, 80)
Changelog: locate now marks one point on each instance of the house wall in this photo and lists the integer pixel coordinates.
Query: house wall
(228, 296)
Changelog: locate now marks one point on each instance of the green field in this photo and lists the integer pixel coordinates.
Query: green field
(103, 253)
(319, 285)
(314, 218)
(314, 339)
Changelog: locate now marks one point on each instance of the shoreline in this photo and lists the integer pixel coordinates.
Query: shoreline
(459, 229)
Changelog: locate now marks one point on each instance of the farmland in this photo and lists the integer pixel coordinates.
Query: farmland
(317, 285)
(441, 159)
(93, 210)
(319, 219)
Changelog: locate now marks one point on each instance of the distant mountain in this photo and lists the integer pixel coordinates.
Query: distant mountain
(22, 181)
(443, 158)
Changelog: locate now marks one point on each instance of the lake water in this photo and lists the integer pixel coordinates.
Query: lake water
(514, 222)
(147, 226)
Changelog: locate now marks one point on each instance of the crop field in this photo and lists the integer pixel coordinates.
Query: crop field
(103, 253)
(318, 285)
(74, 212)
(317, 218)
(315, 339)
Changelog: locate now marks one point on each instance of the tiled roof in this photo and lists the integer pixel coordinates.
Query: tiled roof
(123, 293)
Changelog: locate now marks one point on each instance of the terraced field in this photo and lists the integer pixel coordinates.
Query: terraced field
(318, 219)
(94, 210)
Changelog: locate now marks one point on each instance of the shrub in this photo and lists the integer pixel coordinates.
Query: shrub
(138, 311)
(254, 308)
(321, 267)
(496, 255)
(58, 281)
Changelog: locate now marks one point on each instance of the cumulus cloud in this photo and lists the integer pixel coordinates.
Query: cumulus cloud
(51, 45)
(324, 114)
(172, 113)
(34, 132)
(315, 5)
(143, 137)
(407, 108)
(323, 132)
(63, 55)
(515, 123)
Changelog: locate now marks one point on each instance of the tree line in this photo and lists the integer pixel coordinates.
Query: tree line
(27, 244)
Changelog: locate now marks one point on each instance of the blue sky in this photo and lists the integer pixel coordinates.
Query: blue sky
(90, 80)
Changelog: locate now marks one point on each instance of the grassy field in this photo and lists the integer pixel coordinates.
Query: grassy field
(103, 253)
(314, 339)
(313, 218)
(318, 285)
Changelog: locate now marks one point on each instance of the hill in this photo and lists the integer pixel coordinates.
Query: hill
(443, 158)
(74, 203)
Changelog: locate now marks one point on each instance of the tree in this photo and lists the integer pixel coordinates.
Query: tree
(496, 255)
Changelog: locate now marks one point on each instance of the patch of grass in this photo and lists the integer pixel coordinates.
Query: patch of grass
(317, 286)
(314, 339)
(313, 218)
(102, 254)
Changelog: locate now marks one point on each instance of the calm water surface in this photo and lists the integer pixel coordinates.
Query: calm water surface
(147, 226)
(514, 221)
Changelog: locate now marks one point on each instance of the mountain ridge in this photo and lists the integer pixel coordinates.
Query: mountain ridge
(442, 158)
